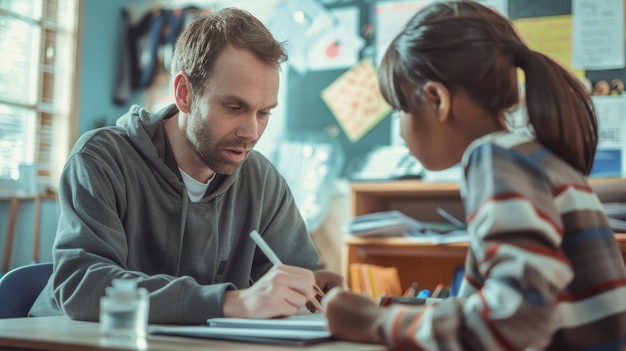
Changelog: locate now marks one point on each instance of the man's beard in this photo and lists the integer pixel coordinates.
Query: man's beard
(209, 150)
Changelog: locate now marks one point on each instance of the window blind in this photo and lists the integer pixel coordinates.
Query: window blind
(37, 84)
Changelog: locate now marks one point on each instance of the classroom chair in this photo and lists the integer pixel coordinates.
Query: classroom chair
(20, 287)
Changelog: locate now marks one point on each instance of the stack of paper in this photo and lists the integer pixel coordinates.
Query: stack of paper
(396, 223)
(390, 223)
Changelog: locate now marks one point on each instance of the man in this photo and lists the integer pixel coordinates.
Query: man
(170, 198)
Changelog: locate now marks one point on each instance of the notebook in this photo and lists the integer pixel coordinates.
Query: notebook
(302, 329)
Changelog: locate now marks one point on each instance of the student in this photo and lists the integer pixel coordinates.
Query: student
(169, 198)
(543, 270)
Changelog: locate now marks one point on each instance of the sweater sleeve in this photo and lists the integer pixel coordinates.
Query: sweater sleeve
(91, 249)
(514, 271)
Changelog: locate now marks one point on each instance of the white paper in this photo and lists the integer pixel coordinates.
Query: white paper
(312, 321)
(598, 34)
(338, 48)
(215, 332)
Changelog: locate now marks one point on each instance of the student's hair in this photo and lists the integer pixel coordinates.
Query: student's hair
(200, 44)
(469, 47)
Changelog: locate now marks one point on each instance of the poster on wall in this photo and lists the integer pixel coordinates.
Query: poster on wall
(356, 101)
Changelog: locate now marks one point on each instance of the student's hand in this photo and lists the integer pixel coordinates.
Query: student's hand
(327, 280)
(280, 292)
(353, 317)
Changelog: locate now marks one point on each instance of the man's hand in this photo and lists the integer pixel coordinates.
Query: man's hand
(325, 280)
(280, 292)
(354, 317)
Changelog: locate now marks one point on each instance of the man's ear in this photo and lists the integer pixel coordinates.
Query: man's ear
(182, 92)
(438, 95)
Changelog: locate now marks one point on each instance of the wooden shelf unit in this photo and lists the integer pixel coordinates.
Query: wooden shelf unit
(425, 263)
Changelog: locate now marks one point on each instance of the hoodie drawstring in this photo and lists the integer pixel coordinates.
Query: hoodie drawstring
(183, 223)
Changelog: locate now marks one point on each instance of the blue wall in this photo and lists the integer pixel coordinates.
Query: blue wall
(98, 50)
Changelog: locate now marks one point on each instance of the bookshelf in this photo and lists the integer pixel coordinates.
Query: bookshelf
(428, 264)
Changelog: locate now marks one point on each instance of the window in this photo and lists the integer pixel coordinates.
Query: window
(37, 85)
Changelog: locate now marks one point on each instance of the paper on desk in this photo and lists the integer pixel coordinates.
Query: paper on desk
(312, 321)
(264, 336)
(294, 330)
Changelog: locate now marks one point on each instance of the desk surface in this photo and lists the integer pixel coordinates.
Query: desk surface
(61, 333)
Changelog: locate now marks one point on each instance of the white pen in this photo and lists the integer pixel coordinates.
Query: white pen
(267, 250)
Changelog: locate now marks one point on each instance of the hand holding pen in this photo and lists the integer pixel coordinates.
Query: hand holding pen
(263, 246)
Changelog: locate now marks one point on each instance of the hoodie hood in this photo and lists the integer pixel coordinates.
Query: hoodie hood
(145, 128)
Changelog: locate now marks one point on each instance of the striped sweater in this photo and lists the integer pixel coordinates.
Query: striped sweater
(543, 270)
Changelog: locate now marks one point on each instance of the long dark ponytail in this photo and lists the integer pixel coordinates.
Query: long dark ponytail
(559, 108)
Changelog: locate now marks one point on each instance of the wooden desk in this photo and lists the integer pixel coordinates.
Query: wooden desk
(63, 334)
(426, 263)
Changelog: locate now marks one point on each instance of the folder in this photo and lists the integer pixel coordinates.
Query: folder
(302, 329)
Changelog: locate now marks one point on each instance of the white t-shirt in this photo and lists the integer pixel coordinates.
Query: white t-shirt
(195, 189)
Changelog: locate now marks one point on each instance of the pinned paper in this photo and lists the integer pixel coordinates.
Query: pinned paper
(598, 34)
(338, 48)
(356, 101)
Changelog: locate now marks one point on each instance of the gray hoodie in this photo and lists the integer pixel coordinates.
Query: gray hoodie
(125, 213)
